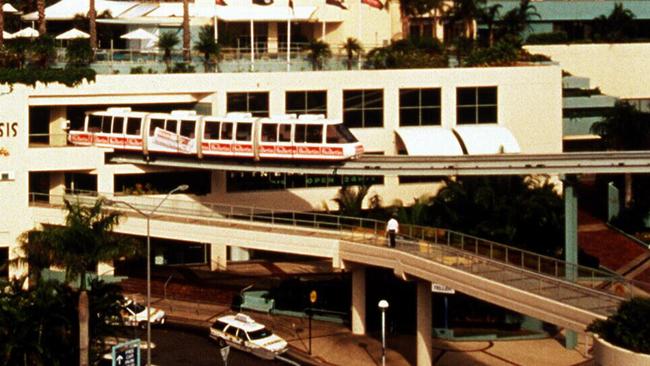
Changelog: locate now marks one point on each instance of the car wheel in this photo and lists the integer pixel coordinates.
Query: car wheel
(221, 343)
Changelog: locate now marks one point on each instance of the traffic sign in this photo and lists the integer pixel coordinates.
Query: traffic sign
(126, 354)
(313, 296)
(436, 287)
(225, 351)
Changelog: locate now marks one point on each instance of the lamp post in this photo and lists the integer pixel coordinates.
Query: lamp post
(383, 305)
(182, 187)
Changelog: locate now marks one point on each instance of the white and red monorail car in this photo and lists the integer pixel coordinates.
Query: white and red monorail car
(307, 137)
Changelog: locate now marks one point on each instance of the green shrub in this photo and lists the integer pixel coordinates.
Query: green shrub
(548, 38)
(183, 68)
(501, 54)
(70, 76)
(79, 53)
(629, 327)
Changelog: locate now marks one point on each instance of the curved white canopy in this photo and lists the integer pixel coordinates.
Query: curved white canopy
(487, 139)
(28, 32)
(73, 33)
(429, 141)
(139, 34)
(8, 8)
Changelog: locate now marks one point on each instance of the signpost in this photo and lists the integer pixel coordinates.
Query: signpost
(225, 351)
(313, 296)
(126, 354)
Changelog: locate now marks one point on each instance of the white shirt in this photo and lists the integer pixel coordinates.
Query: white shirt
(392, 225)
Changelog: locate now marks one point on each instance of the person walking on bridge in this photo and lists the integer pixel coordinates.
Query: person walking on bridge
(392, 228)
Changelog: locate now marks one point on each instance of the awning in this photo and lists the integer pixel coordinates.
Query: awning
(261, 13)
(429, 141)
(68, 9)
(73, 33)
(8, 8)
(28, 32)
(487, 139)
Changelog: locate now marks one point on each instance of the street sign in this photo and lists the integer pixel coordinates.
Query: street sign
(313, 296)
(225, 351)
(126, 354)
(436, 287)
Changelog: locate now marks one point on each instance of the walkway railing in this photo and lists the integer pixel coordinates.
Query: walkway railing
(469, 253)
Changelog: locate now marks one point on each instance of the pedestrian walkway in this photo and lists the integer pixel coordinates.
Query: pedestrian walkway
(334, 344)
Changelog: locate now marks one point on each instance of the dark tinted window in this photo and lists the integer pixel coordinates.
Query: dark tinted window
(285, 133)
(244, 131)
(363, 108)
(315, 134)
(171, 125)
(219, 325)
(476, 105)
(187, 128)
(419, 107)
(269, 132)
(133, 126)
(106, 124)
(226, 130)
(118, 125)
(156, 123)
(211, 131)
(256, 103)
(306, 102)
(232, 330)
(94, 123)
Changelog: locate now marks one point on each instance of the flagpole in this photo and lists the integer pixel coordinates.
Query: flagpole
(359, 31)
(289, 43)
(252, 45)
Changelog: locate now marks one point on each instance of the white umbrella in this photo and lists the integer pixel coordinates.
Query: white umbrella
(6, 35)
(28, 32)
(7, 8)
(139, 34)
(73, 33)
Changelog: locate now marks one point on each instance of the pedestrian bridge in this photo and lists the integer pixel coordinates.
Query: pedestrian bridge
(542, 287)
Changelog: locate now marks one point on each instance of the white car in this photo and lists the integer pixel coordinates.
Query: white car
(244, 333)
(134, 314)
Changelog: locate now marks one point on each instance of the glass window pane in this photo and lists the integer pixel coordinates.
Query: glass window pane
(353, 118)
(351, 99)
(466, 96)
(487, 115)
(317, 102)
(373, 118)
(94, 123)
(156, 123)
(211, 131)
(244, 131)
(133, 126)
(285, 133)
(374, 99)
(430, 97)
(300, 134)
(295, 102)
(236, 102)
(226, 130)
(118, 125)
(409, 117)
(466, 115)
(269, 132)
(430, 116)
(315, 134)
(187, 128)
(106, 124)
(258, 104)
(171, 125)
(409, 98)
(487, 95)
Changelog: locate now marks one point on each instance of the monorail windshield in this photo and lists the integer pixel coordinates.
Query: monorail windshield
(339, 134)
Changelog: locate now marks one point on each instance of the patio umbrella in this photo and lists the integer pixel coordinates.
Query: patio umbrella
(28, 32)
(6, 35)
(139, 34)
(73, 33)
(7, 8)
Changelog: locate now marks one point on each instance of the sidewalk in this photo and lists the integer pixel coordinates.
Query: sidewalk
(334, 344)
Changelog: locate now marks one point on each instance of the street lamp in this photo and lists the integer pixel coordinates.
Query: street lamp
(383, 305)
(182, 187)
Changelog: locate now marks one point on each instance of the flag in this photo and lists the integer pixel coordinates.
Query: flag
(263, 2)
(338, 3)
(374, 3)
(291, 6)
(220, 2)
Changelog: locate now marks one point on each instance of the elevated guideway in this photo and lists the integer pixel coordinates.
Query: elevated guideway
(526, 282)
(503, 164)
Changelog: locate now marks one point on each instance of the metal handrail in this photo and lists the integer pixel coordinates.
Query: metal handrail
(371, 231)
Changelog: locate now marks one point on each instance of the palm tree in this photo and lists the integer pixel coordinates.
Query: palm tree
(40, 6)
(418, 8)
(187, 56)
(352, 47)
(92, 24)
(466, 12)
(2, 22)
(85, 240)
(319, 51)
(167, 41)
(488, 17)
(518, 19)
(350, 199)
(208, 46)
(618, 26)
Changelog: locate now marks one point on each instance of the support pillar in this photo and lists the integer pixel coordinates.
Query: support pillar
(272, 37)
(570, 245)
(424, 324)
(57, 187)
(359, 301)
(238, 254)
(58, 125)
(105, 182)
(218, 256)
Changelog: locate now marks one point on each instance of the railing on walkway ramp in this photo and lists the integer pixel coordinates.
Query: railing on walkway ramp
(588, 288)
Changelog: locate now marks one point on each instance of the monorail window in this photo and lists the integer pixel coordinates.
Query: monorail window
(339, 134)
(269, 132)
(171, 125)
(156, 123)
(94, 123)
(106, 124)
(118, 125)
(315, 134)
(244, 131)
(133, 126)
(211, 131)
(285, 133)
(226, 130)
(300, 135)
(187, 128)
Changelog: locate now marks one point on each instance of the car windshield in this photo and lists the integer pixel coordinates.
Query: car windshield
(135, 308)
(259, 334)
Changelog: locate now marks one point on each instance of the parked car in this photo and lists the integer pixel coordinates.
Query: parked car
(244, 333)
(134, 314)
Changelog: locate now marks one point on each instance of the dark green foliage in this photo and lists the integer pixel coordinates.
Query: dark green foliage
(104, 302)
(350, 200)
(182, 68)
(68, 76)
(501, 54)
(624, 128)
(405, 54)
(318, 53)
(629, 327)
(618, 26)
(167, 41)
(78, 53)
(210, 49)
(141, 70)
(415, 8)
(518, 19)
(548, 38)
(43, 51)
(352, 47)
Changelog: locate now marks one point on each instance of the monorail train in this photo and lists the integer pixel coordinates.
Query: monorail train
(307, 137)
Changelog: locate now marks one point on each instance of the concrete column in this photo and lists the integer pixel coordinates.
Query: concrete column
(272, 34)
(359, 301)
(238, 254)
(218, 256)
(58, 123)
(57, 187)
(424, 324)
(106, 268)
(570, 246)
(105, 182)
